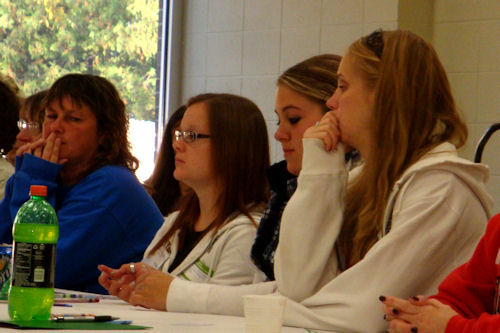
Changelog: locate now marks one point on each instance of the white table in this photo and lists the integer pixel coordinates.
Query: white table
(160, 321)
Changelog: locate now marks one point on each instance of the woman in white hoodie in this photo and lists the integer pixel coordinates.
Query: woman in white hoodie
(221, 153)
(412, 213)
(301, 93)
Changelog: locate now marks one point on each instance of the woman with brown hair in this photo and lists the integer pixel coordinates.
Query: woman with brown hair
(221, 153)
(398, 225)
(84, 159)
(31, 116)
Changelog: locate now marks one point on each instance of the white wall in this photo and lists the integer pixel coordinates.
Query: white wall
(467, 39)
(241, 46)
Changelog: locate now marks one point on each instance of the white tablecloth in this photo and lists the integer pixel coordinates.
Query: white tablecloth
(160, 321)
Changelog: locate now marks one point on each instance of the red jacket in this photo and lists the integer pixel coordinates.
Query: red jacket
(473, 288)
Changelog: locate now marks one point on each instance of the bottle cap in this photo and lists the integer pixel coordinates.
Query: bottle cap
(38, 190)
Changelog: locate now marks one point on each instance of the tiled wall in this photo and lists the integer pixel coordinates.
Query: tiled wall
(241, 46)
(467, 39)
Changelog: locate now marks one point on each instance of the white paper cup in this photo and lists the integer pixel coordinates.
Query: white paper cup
(263, 313)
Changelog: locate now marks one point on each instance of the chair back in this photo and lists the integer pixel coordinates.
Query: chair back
(486, 136)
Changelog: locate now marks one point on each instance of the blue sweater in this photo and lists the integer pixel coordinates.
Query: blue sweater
(106, 218)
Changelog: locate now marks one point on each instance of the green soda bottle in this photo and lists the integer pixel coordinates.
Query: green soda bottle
(35, 233)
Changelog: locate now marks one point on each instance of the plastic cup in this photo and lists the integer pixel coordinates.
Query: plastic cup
(263, 313)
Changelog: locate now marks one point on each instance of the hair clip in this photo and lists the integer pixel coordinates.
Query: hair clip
(375, 42)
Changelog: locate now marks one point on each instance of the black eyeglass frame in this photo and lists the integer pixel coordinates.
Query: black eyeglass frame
(375, 42)
(186, 135)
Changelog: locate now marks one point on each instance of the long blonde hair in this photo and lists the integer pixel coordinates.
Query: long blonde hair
(414, 112)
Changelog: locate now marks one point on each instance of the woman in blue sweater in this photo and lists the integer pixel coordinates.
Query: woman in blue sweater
(84, 159)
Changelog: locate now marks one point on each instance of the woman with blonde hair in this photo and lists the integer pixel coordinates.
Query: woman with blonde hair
(401, 222)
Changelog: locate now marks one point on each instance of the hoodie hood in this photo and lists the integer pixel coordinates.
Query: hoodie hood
(444, 157)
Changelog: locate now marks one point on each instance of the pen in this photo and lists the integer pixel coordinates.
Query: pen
(76, 300)
(85, 318)
(75, 296)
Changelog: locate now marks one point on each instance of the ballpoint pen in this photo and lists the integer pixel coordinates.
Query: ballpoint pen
(84, 318)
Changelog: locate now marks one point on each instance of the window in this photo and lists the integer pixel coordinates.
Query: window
(118, 39)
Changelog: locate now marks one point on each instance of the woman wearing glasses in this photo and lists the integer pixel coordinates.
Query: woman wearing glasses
(30, 122)
(104, 213)
(402, 222)
(221, 153)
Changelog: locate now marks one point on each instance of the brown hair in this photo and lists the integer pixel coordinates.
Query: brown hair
(34, 108)
(9, 114)
(315, 77)
(102, 98)
(162, 186)
(241, 157)
(414, 112)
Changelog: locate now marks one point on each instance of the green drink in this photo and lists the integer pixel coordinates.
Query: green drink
(35, 233)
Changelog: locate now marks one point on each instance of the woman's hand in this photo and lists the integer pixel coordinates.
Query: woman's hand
(120, 282)
(47, 149)
(151, 289)
(416, 315)
(146, 286)
(327, 130)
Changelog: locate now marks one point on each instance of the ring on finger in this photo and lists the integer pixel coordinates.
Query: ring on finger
(132, 268)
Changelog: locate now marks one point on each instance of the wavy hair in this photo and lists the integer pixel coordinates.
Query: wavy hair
(414, 112)
(102, 98)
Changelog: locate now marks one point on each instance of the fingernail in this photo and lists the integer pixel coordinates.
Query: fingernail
(395, 311)
(381, 298)
(415, 298)
(414, 330)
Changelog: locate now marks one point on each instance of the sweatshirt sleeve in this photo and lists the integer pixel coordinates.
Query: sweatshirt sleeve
(486, 323)
(435, 225)
(305, 257)
(470, 289)
(108, 219)
(30, 170)
(186, 296)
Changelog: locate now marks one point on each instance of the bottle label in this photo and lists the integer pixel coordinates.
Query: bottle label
(34, 265)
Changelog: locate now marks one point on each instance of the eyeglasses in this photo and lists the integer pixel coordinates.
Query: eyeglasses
(32, 126)
(189, 136)
(375, 42)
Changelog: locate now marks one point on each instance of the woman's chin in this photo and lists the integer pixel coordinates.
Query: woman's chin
(293, 168)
